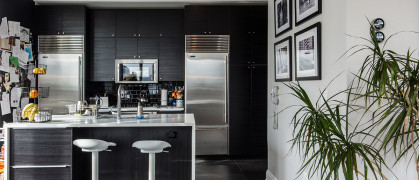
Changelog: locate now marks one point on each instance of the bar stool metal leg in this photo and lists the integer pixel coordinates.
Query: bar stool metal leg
(152, 166)
(95, 165)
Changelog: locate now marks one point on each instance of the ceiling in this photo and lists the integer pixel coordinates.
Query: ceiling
(135, 4)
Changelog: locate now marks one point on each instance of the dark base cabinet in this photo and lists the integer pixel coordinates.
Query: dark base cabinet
(126, 162)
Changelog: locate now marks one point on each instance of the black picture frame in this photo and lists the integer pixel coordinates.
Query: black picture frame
(280, 27)
(286, 42)
(309, 12)
(310, 38)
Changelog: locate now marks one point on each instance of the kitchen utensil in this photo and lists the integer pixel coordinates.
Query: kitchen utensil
(143, 97)
(72, 108)
(81, 105)
(163, 97)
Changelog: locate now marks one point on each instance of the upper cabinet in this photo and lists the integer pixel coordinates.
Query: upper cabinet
(126, 23)
(103, 23)
(147, 23)
(61, 20)
(171, 23)
(202, 20)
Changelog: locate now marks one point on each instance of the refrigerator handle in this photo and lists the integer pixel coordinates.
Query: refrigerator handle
(81, 77)
(226, 104)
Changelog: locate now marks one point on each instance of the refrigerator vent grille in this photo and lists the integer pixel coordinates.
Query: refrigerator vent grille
(61, 44)
(207, 43)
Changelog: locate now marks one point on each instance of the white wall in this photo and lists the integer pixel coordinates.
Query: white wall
(339, 17)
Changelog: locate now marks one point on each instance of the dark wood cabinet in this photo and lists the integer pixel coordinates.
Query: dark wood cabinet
(148, 25)
(126, 48)
(248, 107)
(61, 20)
(103, 23)
(248, 35)
(103, 59)
(148, 48)
(171, 23)
(126, 23)
(33, 149)
(172, 59)
(202, 20)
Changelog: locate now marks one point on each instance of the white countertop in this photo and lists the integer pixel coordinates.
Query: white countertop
(152, 120)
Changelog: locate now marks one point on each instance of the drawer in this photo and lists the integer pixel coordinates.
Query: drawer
(40, 173)
(40, 147)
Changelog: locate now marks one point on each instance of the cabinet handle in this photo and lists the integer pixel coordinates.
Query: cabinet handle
(139, 57)
(135, 57)
(113, 35)
(209, 32)
(253, 62)
(63, 33)
(253, 67)
(248, 32)
(205, 32)
(248, 67)
(58, 33)
(248, 62)
(135, 35)
(253, 32)
(161, 35)
(160, 78)
(139, 35)
(43, 166)
(113, 79)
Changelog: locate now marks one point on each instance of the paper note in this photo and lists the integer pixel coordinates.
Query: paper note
(15, 97)
(14, 28)
(24, 102)
(5, 104)
(16, 48)
(14, 78)
(28, 49)
(24, 34)
(5, 44)
(4, 28)
(5, 62)
(14, 115)
(14, 61)
(23, 56)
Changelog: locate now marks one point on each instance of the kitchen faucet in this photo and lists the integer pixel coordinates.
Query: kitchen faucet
(118, 103)
(97, 107)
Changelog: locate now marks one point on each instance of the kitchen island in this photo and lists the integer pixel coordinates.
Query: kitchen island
(45, 150)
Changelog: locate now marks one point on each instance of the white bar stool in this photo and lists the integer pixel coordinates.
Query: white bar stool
(94, 146)
(151, 147)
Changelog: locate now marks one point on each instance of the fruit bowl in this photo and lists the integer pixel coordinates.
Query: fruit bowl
(32, 69)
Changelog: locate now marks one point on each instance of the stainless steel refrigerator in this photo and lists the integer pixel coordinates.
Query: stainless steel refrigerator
(206, 84)
(64, 57)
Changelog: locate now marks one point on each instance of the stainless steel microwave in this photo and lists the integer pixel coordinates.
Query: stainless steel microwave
(136, 71)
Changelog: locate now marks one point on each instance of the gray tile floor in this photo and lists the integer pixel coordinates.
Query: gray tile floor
(230, 169)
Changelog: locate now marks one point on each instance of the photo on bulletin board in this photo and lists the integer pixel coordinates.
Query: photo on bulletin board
(283, 16)
(283, 62)
(306, 9)
(308, 53)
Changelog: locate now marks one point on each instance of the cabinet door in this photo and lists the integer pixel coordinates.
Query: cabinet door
(49, 20)
(239, 108)
(148, 48)
(126, 23)
(103, 23)
(240, 20)
(196, 20)
(73, 20)
(172, 59)
(41, 173)
(259, 49)
(103, 67)
(259, 20)
(219, 20)
(258, 122)
(240, 38)
(126, 48)
(171, 23)
(147, 23)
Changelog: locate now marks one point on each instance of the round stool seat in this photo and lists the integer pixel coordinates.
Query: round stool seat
(92, 145)
(151, 146)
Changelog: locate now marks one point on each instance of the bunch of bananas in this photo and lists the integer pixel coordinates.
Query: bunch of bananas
(29, 111)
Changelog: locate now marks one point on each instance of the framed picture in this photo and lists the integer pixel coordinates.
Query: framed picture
(283, 66)
(282, 16)
(308, 53)
(306, 9)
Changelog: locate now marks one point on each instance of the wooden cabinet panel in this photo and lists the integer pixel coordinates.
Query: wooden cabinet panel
(73, 20)
(40, 147)
(126, 48)
(259, 49)
(240, 21)
(219, 20)
(196, 20)
(171, 23)
(103, 23)
(172, 59)
(259, 20)
(259, 117)
(41, 173)
(126, 23)
(126, 162)
(103, 60)
(240, 108)
(148, 25)
(148, 48)
(49, 20)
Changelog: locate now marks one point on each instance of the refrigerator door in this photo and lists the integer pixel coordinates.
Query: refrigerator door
(206, 87)
(65, 78)
(211, 140)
